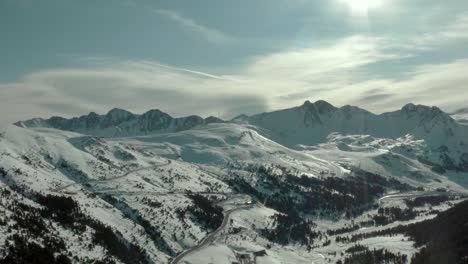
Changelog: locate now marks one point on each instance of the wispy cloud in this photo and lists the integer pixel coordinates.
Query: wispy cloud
(453, 31)
(134, 85)
(338, 71)
(329, 57)
(210, 34)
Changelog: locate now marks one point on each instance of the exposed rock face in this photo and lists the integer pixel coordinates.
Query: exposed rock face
(119, 122)
(213, 119)
(154, 120)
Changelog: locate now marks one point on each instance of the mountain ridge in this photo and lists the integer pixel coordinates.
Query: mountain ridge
(120, 122)
(317, 120)
(309, 123)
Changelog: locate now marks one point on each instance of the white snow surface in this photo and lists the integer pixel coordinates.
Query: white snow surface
(141, 171)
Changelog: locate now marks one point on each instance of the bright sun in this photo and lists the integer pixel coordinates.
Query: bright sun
(362, 7)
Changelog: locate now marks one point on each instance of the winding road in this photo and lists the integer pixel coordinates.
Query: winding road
(61, 188)
(210, 237)
(205, 241)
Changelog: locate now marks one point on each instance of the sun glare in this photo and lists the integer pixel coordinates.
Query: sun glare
(362, 7)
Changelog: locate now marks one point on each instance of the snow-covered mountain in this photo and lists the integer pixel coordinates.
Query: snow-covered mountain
(308, 124)
(311, 123)
(298, 185)
(121, 123)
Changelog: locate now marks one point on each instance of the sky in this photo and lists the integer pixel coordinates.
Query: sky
(224, 57)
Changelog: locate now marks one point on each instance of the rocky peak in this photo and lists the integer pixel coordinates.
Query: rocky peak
(116, 116)
(424, 113)
(188, 122)
(118, 113)
(92, 115)
(213, 119)
(91, 120)
(350, 111)
(240, 118)
(154, 119)
(324, 106)
(320, 106)
(411, 108)
(154, 113)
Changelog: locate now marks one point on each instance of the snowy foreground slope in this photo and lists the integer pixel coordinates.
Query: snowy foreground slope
(312, 184)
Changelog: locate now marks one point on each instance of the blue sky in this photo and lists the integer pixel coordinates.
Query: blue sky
(222, 57)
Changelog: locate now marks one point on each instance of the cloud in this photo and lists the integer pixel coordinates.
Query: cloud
(373, 99)
(136, 86)
(442, 85)
(455, 30)
(320, 72)
(347, 53)
(210, 34)
(339, 71)
(68, 109)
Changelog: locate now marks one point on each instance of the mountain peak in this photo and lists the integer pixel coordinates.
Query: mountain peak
(241, 117)
(411, 109)
(153, 113)
(427, 116)
(213, 119)
(321, 106)
(409, 105)
(118, 112)
(324, 106)
(115, 117)
(322, 102)
(93, 114)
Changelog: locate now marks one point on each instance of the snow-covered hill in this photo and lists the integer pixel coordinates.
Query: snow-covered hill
(291, 186)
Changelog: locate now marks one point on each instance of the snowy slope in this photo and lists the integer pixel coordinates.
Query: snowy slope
(88, 169)
(140, 177)
(121, 181)
(312, 123)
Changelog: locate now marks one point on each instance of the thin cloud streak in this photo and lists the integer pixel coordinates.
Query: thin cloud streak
(210, 34)
(204, 74)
